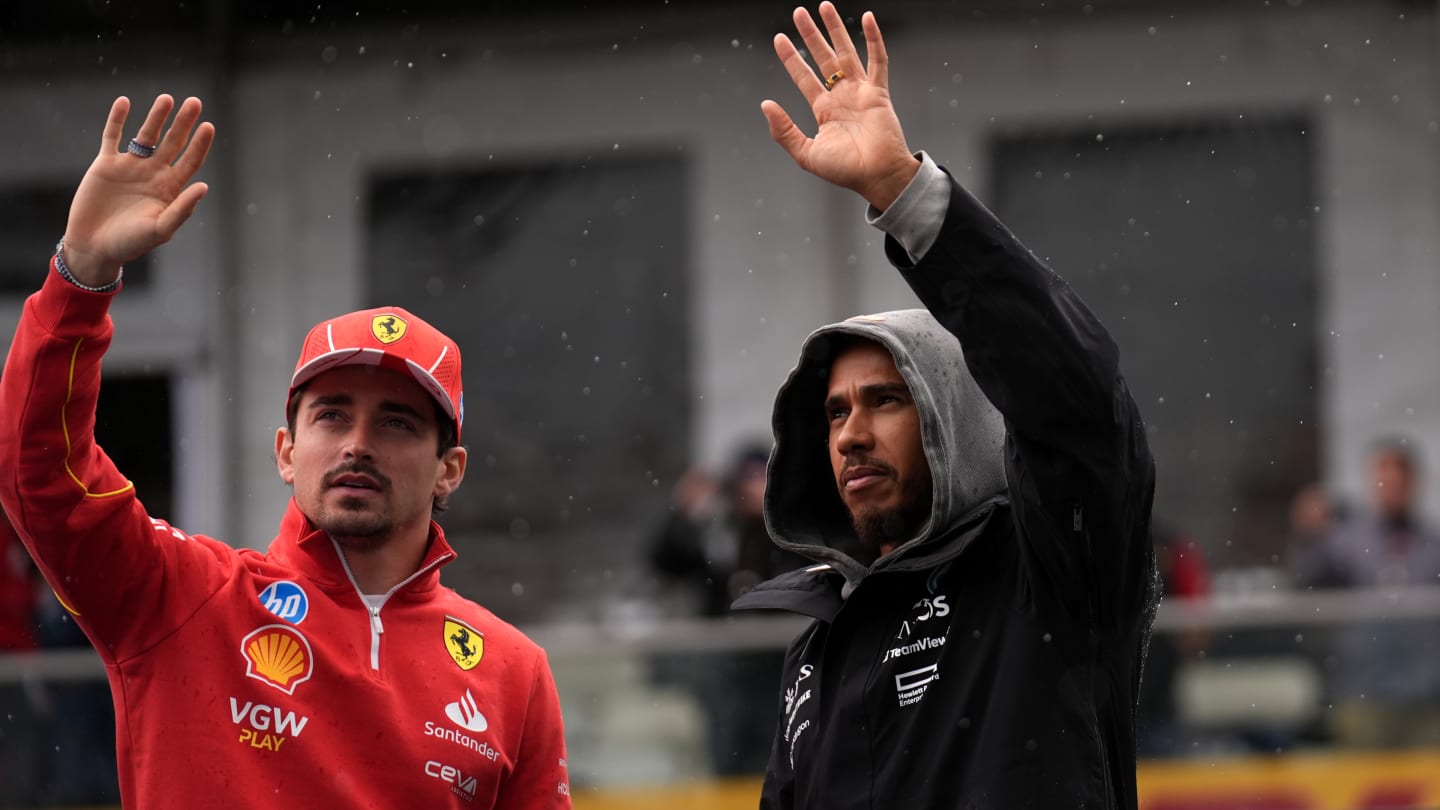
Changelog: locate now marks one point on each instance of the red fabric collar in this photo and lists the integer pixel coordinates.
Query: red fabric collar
(301, 546)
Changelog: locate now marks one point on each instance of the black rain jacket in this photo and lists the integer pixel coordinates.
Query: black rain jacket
(993, 661)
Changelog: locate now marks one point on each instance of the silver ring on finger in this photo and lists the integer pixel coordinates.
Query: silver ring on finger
(140, 150)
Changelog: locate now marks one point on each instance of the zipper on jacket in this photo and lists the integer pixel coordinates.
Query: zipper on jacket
(377, 627)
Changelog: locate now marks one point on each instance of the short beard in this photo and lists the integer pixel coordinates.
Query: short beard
(353, 525)
(875, 529)
(354, 529)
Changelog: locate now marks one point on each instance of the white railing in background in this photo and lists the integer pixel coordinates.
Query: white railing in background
(742, 632)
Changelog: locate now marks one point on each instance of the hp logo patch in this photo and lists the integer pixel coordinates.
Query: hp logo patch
(287, 600)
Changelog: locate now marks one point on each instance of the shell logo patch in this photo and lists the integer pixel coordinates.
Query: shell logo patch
(465, 644)
(388, 328)
(278, 655)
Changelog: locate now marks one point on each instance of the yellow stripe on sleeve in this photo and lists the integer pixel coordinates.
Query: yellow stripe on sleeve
(65, 429)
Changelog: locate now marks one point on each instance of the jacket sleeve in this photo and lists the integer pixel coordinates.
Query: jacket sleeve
(128, 580)
(541, 775)
(1078, 467)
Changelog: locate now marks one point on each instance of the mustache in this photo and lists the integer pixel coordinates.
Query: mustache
(852, 462)
(358, 468)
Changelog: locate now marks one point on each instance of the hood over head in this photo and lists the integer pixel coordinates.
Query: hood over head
(962, 432)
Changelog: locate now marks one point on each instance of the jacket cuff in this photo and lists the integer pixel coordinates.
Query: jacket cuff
(60, 301)
(914, 219)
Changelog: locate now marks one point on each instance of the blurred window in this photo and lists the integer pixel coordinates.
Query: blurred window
(1195, 243)
(35, 217)
(566, 285)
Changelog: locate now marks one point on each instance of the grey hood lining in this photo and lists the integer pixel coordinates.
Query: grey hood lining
(962, 432)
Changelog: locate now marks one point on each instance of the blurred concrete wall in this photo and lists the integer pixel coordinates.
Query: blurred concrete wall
(305, 116)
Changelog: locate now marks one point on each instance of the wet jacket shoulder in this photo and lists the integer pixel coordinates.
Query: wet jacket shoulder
(1077, 462)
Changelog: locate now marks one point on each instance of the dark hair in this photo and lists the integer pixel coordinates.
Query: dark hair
(446, 425)
(745, 459)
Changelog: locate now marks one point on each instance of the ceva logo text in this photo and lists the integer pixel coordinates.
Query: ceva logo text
(460, 784)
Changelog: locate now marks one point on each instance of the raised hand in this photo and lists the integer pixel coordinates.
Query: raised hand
(127, 204)
(859, 144)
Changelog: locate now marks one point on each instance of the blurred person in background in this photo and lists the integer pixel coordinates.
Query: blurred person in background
(688, 552)
(979, 517)
(1313, 512)
(1386, 675)
(713, 545)
(20, 748)
(18, 592)
(56, 736)
(712, 548)
(1183, 575)
(77, 720)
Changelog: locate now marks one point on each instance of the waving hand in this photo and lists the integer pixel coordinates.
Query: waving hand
(128, 204)
(859, 143)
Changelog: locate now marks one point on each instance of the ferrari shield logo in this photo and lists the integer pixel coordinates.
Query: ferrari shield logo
(388, 328)
(465, 643)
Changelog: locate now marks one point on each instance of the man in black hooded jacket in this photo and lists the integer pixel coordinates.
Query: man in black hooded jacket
(984, 585)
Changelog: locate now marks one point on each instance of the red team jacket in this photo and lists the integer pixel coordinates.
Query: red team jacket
(243, 679)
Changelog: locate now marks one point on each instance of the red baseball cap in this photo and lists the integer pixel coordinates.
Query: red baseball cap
(391, 338)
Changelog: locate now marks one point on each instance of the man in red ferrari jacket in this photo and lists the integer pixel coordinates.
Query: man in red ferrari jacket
(332, 671)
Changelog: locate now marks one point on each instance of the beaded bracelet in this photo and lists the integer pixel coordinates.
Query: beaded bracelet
(65, 273)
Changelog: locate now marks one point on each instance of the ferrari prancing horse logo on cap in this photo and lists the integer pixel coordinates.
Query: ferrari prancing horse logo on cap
(388, 328)
(465, 643)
